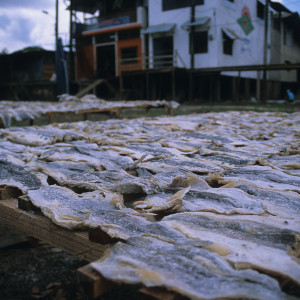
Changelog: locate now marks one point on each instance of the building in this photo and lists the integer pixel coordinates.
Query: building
(26, 75)
(188, 49)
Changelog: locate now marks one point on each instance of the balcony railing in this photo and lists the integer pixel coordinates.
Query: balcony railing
(151, 62)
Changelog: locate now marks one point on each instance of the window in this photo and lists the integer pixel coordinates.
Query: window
(174, 4)
(227, 44)
(200, 42)
(130, 54)
(129, 34)
(260, 10)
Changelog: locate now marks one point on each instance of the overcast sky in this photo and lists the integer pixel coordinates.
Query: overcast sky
(23, 24)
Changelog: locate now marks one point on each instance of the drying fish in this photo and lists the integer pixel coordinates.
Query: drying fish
(16, 176)
(244, 243)
(191, 271)
(210, 199)
(222, 201)
(33, 136)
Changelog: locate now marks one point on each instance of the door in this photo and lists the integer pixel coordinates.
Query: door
(163, 51)
(106, 61)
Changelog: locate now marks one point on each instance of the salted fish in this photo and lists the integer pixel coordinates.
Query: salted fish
(88, 177)
(98, 210)
(265, 177)
(15, 175)
(245, 243)
(185, 163)
(34, 136)
(222, 201)
(191, 271)
(70, 210)
(106, 160)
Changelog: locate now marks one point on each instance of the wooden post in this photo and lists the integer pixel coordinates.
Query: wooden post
(238, 86)
(218, 88)
(191, 86)
(173, 84)
(121, 83)
(258, 86)
(211, 88)
(234, 94)
(92, 283)
(147, 86)
(247, 88)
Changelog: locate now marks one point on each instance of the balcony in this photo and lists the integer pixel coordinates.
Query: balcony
(111, 20)
(151, 62)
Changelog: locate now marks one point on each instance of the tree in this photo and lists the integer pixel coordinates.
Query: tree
(4, 51)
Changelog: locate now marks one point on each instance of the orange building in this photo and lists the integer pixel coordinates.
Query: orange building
(104, 41)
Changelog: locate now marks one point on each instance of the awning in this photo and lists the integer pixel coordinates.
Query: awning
(231, 34)
(161, 28)
(198, 22)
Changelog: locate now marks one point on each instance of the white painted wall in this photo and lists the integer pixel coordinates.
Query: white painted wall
(248, 50)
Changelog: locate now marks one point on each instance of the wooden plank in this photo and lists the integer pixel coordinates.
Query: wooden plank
(93, 283)
(89, 87)
(36, 225)
(160, 294)
(9, 192)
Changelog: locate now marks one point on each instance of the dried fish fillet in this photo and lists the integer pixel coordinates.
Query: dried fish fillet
(222, 201)
(190, 271)
(248, 244)
(33, 136)
(17, 176)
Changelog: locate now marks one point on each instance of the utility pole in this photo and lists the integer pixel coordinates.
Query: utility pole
(56, 23)
(71, 58)
(265, 89)
(192, 34)
(192, 19)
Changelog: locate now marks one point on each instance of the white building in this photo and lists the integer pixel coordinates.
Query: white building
(190, 37)
(226, 33)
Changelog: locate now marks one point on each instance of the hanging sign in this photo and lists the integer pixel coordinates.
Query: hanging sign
(245, 21)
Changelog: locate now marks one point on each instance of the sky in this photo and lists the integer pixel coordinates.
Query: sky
(23, 23)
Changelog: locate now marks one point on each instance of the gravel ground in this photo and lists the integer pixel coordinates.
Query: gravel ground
(35, 270)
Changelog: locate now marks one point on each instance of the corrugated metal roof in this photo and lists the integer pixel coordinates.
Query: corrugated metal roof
(160, 28)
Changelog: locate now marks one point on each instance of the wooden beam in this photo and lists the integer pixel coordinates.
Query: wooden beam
(89, 88)
(9, 192)
(160, 294)
(92, 282)
(36, 225)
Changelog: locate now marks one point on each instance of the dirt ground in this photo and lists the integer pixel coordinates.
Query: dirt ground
(32, 269)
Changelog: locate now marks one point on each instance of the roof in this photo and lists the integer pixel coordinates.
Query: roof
(160, 28)
(279, 7)
(86, 6)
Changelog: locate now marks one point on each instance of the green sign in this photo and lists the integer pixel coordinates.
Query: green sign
(246, 24)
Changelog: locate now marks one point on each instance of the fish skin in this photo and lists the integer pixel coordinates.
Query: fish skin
(17, 176)
(203, 274)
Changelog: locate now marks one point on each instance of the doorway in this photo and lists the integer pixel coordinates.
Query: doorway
(163, 46)
(106, 61)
